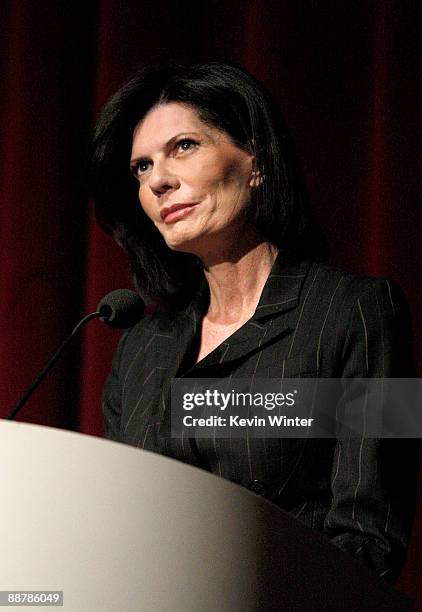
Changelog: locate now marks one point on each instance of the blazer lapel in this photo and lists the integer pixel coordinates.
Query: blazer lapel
(281, 294)
(282, 289)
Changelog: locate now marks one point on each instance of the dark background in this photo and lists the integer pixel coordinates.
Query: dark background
(346, 75)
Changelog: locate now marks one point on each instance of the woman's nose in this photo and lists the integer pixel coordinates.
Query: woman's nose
(162, 179)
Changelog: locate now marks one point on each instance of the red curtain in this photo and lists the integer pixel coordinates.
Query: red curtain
(345, 74)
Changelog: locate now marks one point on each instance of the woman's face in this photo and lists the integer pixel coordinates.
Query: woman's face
(194, 183)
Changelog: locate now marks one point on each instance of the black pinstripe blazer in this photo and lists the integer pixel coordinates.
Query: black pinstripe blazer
(311, 320)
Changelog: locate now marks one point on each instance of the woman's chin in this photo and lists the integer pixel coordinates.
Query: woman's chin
(185, 242)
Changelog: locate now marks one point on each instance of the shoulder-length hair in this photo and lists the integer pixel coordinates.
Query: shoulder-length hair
(230, 99)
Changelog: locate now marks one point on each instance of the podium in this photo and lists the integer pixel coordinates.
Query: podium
(119, 529)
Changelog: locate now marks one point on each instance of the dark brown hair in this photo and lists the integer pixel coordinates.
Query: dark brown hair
(230, 99)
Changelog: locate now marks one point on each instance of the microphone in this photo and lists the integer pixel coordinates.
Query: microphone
(121, 308)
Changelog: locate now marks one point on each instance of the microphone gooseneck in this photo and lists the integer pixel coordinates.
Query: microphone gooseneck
(121, 308)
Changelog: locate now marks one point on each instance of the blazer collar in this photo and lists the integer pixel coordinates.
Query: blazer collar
(281, 291)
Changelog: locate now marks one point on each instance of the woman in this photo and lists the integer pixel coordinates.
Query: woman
(215, 222)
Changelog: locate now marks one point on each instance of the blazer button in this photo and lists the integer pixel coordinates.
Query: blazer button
(258, 487)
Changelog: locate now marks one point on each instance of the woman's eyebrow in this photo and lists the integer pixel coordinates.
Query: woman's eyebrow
(167, 145)
(172, 140)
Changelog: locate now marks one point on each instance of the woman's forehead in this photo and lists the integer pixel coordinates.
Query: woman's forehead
(165, 121)
(170, 115)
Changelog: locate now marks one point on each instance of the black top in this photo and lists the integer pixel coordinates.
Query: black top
(311, 320)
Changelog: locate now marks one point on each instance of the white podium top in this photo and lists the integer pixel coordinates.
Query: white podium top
(119, 529)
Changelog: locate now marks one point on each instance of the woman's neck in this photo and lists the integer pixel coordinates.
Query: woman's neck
(236, 283)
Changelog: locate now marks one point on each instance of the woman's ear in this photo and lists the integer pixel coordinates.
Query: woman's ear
(256, 178)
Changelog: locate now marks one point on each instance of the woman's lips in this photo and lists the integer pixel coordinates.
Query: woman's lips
(176, 212)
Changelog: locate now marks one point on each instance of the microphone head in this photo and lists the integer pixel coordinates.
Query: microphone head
(121, 308)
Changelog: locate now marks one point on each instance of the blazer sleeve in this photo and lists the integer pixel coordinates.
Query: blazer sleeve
(112, 395)
(374, 480)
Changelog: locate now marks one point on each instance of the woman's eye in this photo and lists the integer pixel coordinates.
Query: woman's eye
(140, 168)
(185, 144)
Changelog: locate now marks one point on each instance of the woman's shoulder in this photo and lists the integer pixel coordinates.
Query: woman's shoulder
(330, 280)
(359, 319)
(344, 304)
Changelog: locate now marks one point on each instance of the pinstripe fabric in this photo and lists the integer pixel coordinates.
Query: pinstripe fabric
(311, 320)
